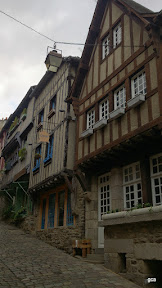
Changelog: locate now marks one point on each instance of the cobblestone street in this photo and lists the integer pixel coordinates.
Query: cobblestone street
(28, 262)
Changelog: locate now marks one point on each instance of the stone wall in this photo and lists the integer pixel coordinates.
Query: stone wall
(135, 250)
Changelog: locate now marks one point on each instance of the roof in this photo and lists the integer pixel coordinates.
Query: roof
(23, 104)
(137, 7)
(94, 32)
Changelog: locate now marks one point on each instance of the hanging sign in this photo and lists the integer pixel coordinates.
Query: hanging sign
(43, 137)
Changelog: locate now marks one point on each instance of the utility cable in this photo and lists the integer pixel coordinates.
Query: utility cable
(60, 42)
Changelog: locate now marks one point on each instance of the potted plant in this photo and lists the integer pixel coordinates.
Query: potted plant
(22, 153)
(14, 124)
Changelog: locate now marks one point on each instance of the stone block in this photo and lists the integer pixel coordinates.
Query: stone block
(148, 251)
(118, 246)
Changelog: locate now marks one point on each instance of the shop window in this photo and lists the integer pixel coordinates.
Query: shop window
(61, 208)
(132, 186)
(156, 178)
(58, 210)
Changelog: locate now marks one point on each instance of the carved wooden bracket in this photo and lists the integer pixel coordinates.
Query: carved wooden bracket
(68, 183)
(82, 180)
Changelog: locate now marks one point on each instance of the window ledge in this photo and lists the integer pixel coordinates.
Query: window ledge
(51, 113)
(100, 124)
(132, 216)
(137, 100)
(47, 160)
(87, 133)
(117, 113)
(40, 125)
(36, 169)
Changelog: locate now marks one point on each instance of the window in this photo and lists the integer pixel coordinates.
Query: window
(138, 84)
(37, 158)
(52, 103)
(90, 119)
(132, 186)
(119, 98)
(110, 43)
(53, 208)
(49, 149)
(104, 109)
(40, 117)
(156, 178)
(105, 46)
(117, 35)
(104, 194)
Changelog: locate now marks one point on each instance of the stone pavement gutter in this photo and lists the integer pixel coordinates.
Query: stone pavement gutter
(28, 262)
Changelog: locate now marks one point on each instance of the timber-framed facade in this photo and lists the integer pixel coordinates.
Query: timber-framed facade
(117, 98)
(52, 161)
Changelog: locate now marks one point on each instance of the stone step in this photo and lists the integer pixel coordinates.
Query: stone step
(95, 258)
(99, 251)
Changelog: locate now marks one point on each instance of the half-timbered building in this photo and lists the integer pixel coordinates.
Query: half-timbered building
(16, 136)
(117, 99)
(53, 159)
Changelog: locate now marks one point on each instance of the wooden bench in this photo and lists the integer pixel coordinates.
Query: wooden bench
(84, 245)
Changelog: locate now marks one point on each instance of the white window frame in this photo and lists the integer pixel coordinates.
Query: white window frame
(105, 46)
(104, 195)
(104, 109)
(120, 97)
(156, 178)
(132, 186)
(117, 35)
(90, 119)
(140, 86)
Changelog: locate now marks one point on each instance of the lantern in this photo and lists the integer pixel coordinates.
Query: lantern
(53, 61)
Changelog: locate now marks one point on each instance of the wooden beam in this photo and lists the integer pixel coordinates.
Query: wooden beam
(68, 183)
(82, 180)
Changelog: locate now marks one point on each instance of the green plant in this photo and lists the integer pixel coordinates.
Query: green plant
(14, 123)
(19, 215)
(24, 111)
(147, 205)
(139, 206)
(8, 212)
(22, 153)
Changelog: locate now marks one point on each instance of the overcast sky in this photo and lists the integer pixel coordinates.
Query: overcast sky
(22, 52)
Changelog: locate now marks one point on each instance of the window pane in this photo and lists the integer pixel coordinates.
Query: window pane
(61, 208)
(43, 214)
(51, 210)
(70, 217)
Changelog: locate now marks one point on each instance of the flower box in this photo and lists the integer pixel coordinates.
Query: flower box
(87, 133)
(100, 124)
(117, 113)
(137, 100)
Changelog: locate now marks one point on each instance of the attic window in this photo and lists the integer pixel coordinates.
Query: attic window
(112, 40)
(105, 46)
(117, 35)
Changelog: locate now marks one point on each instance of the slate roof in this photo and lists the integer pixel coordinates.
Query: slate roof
(138, 7)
